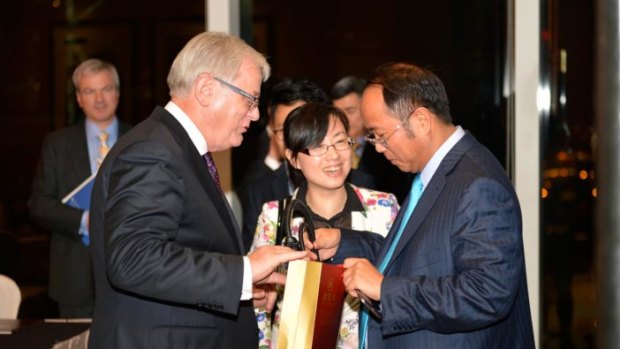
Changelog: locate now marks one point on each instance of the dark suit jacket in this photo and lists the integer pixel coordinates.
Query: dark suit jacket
(275, 186)
(457, 276)
(255, 170)
(166, 249)
(64, 164)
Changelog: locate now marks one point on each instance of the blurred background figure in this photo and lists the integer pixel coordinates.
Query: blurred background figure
(346, 95)
(68, 157)
(284, 96)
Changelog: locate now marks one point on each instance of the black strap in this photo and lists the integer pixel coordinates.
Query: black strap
(280, 233)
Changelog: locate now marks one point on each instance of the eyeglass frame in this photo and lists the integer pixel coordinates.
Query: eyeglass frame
(349, 141)
(252, 99)
(372, 138)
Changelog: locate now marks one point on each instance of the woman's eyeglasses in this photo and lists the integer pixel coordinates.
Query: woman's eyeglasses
(322, 149)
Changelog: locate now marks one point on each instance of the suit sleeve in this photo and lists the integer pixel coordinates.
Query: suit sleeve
(357, 244)
(487, 257)
(146, 207)
(45, 204)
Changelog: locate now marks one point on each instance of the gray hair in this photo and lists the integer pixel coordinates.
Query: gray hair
(217, 53)
(92, 66)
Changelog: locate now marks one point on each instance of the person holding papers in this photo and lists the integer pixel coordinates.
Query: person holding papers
(69, 157)
(318, 150)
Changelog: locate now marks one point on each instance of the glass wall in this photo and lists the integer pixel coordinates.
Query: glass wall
(568, 192)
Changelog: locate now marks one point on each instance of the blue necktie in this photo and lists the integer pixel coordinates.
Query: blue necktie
(414, 197)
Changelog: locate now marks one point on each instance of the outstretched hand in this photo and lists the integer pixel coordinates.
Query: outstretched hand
(326, 243)
(266, 259)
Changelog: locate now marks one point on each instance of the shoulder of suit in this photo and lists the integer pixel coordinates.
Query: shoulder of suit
(66, 134)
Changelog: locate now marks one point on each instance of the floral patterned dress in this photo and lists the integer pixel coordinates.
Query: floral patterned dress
(376, 213)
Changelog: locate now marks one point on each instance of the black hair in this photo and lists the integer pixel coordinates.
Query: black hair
(348, 84)
(305, 127)
(407, 86)
(288, 91)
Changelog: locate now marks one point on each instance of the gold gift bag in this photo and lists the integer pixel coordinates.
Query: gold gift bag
(313, 298)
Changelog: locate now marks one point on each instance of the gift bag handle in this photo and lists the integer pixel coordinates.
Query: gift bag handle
(286, 212)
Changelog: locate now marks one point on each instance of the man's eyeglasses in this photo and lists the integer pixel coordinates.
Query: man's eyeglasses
(374, 140)
(322, 149)
(253, 100)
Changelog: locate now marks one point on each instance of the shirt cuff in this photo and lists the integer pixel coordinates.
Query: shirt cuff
(246, 290)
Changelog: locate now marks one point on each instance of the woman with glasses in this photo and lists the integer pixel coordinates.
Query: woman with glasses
(318, 150)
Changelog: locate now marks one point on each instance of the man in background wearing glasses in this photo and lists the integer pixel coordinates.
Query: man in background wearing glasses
(451, 271)
(346, 95)
(169, 265)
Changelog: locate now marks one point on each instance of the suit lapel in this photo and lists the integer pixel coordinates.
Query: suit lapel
(429, 197)
(81, 160)
(199, 168)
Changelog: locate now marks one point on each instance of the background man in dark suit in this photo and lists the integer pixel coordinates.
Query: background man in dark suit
(68, 157)
(346, 95)
(264, 183)
(167, 253)
(284, 96)
(451, 272)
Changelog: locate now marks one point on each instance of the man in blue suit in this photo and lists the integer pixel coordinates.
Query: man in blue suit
(451, 272)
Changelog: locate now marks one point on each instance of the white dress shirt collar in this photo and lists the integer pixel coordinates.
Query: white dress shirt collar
(192, 130)
(430, 168)
(272, 163)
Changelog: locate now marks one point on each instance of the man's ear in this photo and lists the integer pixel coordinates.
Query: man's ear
(422, 118)
(78, 97)
(203, 89)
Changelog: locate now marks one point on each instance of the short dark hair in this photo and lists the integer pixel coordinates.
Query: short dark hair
(306, 127)
(348, 84)
(288, 91)
(407, 86)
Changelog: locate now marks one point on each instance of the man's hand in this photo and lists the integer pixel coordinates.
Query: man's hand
(265, 296)
(266, 259)
(327, 242)
(360, 274)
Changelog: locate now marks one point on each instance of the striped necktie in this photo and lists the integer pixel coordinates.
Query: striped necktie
(103, 147)
(414, 196)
